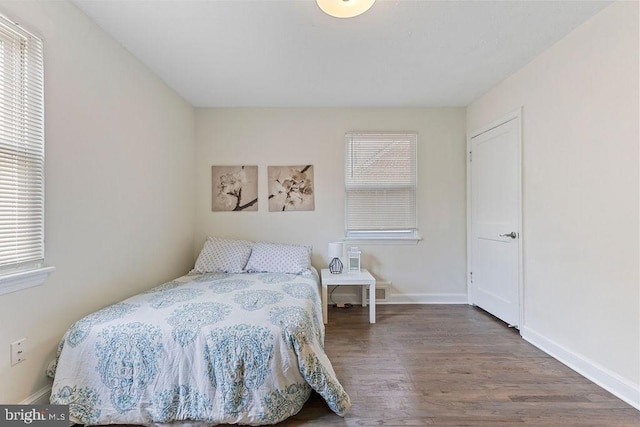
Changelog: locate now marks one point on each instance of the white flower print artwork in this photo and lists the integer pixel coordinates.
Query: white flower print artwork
(235, 188)
(291, 188)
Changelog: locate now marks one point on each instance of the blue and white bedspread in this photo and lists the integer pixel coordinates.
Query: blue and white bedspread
(211, 348)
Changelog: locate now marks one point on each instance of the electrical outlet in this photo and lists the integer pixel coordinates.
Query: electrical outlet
(18, 351)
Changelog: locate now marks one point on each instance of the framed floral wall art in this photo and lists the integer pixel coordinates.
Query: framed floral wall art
(234, 188)
(291, 188)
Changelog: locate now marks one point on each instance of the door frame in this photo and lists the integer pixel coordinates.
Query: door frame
(517, 115)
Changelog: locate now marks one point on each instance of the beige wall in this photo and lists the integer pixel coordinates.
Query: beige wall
(119, 174)
(432, 270)
(581, 208)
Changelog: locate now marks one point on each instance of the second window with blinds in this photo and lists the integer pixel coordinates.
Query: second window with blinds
(381, 185)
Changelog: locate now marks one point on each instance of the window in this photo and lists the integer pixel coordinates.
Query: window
(380, 185)
(21, 154)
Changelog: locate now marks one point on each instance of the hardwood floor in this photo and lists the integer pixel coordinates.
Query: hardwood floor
(452, 365)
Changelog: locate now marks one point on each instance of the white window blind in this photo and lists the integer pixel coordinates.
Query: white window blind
(380, 181)
(21, 148)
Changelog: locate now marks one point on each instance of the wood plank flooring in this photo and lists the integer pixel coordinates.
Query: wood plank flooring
(452, 365)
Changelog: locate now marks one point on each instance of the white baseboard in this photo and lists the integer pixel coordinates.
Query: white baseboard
(610, 381)
(40, 397)
(350, 298)
(426, 299)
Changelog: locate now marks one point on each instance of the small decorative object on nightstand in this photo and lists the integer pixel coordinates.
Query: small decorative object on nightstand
(335, 253)
(354, 259)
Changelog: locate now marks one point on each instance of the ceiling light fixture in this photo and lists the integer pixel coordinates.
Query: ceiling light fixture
(344, 8)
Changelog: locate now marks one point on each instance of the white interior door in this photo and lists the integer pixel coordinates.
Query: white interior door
(495, 212)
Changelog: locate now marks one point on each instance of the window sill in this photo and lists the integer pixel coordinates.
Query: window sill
(383, 240)
(19, 280)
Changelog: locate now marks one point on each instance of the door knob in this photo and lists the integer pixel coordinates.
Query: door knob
(513, 235)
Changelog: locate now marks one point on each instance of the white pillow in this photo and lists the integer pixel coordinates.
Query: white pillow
(223, 256)
(279, 258)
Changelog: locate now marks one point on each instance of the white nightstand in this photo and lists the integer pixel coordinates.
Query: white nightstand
(362, 278)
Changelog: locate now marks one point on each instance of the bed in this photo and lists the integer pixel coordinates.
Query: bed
(207, 348)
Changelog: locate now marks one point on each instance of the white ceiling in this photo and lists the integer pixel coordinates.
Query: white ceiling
(288, 53)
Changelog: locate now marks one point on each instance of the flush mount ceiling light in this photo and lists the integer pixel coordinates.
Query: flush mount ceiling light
(344, 8)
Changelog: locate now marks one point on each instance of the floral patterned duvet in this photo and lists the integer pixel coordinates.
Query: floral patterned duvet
(211, 348)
